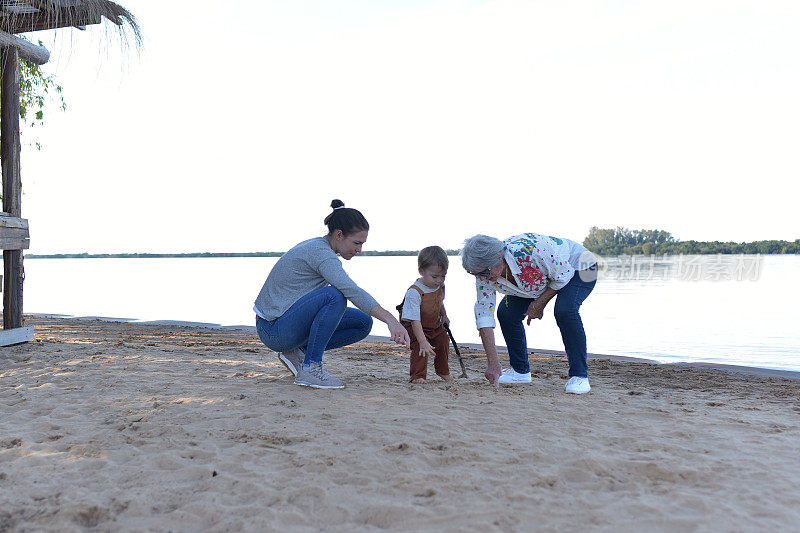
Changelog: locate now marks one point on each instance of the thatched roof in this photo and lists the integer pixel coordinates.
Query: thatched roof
(18, 16)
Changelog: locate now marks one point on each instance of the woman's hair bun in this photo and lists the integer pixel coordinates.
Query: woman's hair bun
(348, 220)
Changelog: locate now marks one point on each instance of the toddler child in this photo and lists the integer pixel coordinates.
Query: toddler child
(422, 313)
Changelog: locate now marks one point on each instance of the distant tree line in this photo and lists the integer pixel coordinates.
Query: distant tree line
(606, 242)
(624, 241)
(86, 255)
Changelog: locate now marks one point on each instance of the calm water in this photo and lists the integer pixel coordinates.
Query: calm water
(725, 309)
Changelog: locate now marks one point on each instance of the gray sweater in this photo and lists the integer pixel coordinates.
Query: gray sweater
(309, 266)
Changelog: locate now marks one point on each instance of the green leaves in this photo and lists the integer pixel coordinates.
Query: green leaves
(36, 89)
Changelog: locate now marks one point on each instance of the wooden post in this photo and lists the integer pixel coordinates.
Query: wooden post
(12, 184)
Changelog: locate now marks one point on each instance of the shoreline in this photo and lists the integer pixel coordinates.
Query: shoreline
(742, 370)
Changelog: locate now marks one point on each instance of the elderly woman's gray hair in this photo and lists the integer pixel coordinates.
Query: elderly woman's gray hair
(481, 252)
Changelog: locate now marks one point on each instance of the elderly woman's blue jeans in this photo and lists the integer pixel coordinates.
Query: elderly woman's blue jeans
(511, 312)
(318, 321)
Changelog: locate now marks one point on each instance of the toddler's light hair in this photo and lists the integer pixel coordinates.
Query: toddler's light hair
(433, 255)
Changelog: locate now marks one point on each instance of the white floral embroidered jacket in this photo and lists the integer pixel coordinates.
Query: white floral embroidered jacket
(536, 262)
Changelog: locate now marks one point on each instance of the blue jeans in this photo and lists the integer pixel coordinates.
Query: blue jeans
(318, 321)
(511, 312)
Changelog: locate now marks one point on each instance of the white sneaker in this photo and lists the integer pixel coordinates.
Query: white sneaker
(512, 377)
(577, 385)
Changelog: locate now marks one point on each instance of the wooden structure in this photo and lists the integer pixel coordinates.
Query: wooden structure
(20, 16)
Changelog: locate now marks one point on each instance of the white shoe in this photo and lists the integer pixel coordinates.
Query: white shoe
(512, 377)
(577, 385)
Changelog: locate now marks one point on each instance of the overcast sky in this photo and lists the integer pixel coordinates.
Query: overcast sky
(238, 122)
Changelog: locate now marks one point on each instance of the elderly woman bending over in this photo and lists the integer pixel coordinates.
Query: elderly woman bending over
(530, 269)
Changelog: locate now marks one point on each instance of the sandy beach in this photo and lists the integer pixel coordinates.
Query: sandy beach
(113, 426)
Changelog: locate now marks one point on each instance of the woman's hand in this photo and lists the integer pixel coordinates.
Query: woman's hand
(492, 373)
(535, 311)
(398, 333)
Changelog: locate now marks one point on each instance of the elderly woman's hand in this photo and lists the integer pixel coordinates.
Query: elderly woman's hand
(535, 311)
(493, 371)
(536, 308)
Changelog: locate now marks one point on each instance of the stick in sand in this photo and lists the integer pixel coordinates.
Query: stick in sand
(458, 353)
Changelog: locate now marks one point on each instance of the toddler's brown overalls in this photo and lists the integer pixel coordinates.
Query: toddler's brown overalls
(431, 319)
